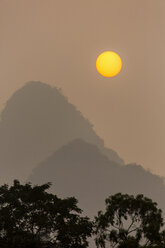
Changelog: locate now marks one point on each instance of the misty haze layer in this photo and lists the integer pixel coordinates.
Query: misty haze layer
(45, 136)
(36, 121)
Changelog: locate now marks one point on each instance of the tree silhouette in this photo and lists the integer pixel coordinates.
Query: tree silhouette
(32, 217)
(129, 222)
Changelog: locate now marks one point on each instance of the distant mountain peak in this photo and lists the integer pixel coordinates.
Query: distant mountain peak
(80, 169)
(36, 121)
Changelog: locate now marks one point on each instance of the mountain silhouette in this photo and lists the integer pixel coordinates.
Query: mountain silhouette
(80, 169)
(36, 121)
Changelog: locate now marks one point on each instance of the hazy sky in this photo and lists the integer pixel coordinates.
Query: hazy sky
(58, 41)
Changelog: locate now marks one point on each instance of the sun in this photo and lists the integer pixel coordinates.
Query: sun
(108, 64)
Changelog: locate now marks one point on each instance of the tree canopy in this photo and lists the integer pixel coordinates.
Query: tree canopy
(129, 222)
(32, 217)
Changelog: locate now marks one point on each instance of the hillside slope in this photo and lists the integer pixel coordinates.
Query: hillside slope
(36, 121)
(79, 169)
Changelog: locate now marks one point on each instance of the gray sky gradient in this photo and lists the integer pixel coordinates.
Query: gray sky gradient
(57, 42)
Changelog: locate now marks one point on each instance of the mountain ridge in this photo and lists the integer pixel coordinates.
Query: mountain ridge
(80, 169)
(36, 121)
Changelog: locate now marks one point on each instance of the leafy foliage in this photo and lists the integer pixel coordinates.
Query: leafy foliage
(129, 222)
(32, 217)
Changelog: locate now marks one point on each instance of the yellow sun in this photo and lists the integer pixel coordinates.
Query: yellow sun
(108, 64)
